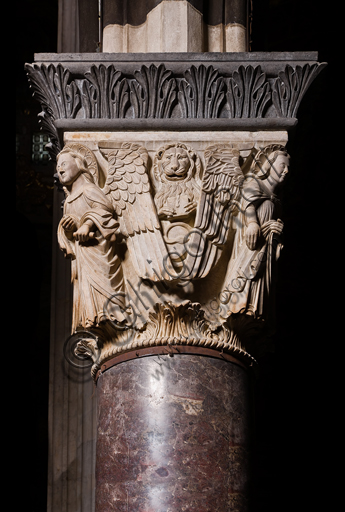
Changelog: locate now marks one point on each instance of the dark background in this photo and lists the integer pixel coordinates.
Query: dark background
(296, 441)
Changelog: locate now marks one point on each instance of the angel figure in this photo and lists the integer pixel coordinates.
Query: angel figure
(250, 274)
(86, 234)
(241, 209)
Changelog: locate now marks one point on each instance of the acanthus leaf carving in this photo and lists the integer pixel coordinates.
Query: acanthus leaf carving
(175, 323)
(248, 92)
(105, 93)
(173, 326)
(201, 92)
(58, 96)
(290, 86)
(54, 89)
(153, 92)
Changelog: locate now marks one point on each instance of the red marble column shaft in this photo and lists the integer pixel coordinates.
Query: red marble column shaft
(173, 435)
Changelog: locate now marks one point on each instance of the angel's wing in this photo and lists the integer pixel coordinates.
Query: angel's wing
(129, 189)
(219, 198)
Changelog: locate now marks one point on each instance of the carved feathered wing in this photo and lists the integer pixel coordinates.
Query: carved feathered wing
(129, 189)
(219, 198)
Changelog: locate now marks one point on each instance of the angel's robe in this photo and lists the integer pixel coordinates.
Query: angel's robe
(98, 283)
(249, 281)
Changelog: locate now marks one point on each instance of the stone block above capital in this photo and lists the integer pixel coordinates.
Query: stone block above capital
(176, 26)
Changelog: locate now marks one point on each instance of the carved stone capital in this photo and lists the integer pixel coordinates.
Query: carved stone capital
(172, 167)
(173, 241)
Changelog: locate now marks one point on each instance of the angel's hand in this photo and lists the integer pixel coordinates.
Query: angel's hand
(273, 226)
(83, 233)
(165, 212)
(252, 235)
(190, 207)
(68, 223)
(277, 227)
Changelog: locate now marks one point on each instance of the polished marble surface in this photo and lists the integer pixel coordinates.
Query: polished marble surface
(173, 435)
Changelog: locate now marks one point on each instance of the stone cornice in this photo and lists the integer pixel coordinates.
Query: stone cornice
(179, 60)
(212, 91)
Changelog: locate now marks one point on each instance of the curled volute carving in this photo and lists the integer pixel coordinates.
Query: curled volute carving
(174, 248)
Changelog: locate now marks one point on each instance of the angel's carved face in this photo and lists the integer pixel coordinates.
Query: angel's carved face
(175, 163)
(280, 168)
(67, 169)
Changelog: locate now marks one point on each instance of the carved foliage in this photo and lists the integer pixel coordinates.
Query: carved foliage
(201, 94)
(170, 322)
(153, 93)
(52, 86)
(248, 92)
(105, 93)
(290, 87)
(58, 96)
(185, 324)
(172, 325)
